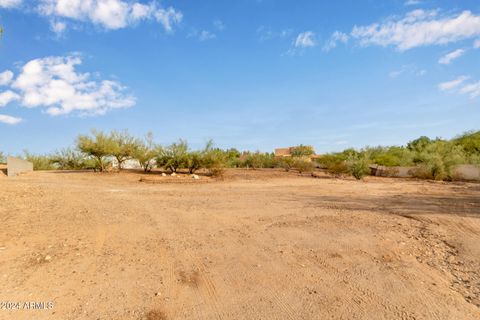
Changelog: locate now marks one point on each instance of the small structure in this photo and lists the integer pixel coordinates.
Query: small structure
(16, 166)
(288, 152)
(283, 152)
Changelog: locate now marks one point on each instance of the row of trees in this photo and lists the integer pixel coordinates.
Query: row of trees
(432, 158)
(101, 151)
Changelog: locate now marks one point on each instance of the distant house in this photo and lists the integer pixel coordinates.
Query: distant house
(288, 152)
(283, 152)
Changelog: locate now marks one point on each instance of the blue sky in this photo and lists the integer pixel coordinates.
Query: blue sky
(251, 74)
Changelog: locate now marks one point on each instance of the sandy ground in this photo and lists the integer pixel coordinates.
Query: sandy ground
(257, 245)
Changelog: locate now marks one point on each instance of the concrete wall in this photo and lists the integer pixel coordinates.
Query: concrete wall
(468, 172)
(461, 172)
(16, 166)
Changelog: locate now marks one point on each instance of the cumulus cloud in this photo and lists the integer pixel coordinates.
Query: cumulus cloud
(419, 28)
(10, 3)
(54, 84)
(450, 85)
(8, 96)
(337, 37)
(305, 40)
(6, 77)
(9, 119)
(110, 14)
(449, 57)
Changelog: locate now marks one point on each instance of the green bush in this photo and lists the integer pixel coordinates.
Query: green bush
(2, 158)
(390, 156)
(358, 166)
(334, 163)
(470, 142)
(257, 160)
(286, 163)
(214, 160)
(302, 165)
(438, 159)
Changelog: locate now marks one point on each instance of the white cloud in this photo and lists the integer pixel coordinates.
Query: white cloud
(10, 3)
(58, 27)
(305, 40)
(6, 77)
(336, 37)
(206, 35)
(472, 89)
(408, 70)
(266, 33)
(54, 84)
(476, 44)
(419, 28)
(203, 35)
(450, 85)
(219, 25)
(412, 2)
(110, 14)
(8, 96)
(449, 57)
(9, 119)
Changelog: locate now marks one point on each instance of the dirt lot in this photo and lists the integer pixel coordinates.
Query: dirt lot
(257, 245)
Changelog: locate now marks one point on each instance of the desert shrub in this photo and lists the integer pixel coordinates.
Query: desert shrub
(390, 156)
(145, 152)
(40, 162)
(302, 151)
(302, 165)
(99, 146)
(286, 163)
(2, 158)
(438, 159)
(174, 156)
(257, 160)
(419, 145)
(123, 146)
(69, 159)
(194, 161)
(470, 142)
(214, 160)
(233, 158)
(335, 164)
(358, 166)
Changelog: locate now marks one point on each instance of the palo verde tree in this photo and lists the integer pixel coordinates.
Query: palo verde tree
(145, 152)
(122, 146)
(174, 156)
(98, 145)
